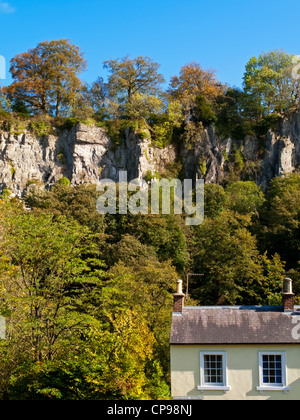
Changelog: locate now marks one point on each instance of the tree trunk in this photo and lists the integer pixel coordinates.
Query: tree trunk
(58, 102)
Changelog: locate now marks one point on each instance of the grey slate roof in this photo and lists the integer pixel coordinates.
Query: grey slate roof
(235, 325)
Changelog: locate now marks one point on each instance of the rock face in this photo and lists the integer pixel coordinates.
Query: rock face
(85, 154)
(275, 154)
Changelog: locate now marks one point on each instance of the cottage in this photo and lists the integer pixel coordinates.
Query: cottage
(236, 352)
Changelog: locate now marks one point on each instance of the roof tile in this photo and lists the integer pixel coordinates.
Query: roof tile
(234, 325)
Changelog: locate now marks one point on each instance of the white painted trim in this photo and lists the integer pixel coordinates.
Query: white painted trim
(218, 386)
(276, 387)
(261, 389)
(214, 388)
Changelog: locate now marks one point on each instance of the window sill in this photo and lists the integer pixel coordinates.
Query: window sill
(214, 388)
(261, 389)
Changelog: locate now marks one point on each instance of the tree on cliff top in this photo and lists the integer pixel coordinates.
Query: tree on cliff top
(128, 77)
(269, 80)
(46, 77)
(194, 81)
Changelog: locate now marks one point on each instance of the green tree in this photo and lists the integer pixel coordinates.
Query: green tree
(98, 93)
(131, 76)
(236, 111)
(245, 197)
(77, 202)
(227, 255)
(69, 336)
(268, 78)
(44, 292)
(107, 364)
(144, 284)
(5, 103)
(166, 234)
(203, 112)
(234, 164)
(215, 200)
(141, 107)
(129, 249)
(97, 96)
(280, 219)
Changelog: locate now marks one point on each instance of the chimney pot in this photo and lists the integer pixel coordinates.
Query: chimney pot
(178, 298)
(179, 286)
(287, 285)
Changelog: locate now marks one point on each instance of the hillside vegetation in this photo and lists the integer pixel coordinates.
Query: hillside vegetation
(87, 298)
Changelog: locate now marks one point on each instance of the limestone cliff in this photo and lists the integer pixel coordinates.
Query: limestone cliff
(85, 154)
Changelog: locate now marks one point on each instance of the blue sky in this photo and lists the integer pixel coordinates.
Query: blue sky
(217, 34)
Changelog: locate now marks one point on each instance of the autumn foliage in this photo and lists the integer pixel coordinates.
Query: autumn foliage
(45, 78)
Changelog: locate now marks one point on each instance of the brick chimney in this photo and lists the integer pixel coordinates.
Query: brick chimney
(178, 298)
(288, 297)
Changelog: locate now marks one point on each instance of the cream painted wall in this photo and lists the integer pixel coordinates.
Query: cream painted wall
(242, 371)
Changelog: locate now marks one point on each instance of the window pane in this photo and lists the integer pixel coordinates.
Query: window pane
(272, 369)
(220, 378)
(213, 369)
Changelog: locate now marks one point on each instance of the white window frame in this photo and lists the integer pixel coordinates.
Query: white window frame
(218, 386)
(273, 387)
